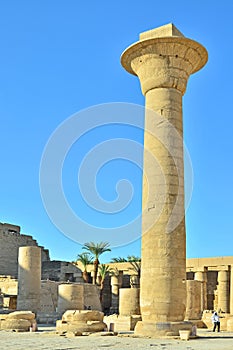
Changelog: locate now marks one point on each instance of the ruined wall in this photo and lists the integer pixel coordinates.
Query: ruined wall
(8, 285)
(61, 271)
(10, 241)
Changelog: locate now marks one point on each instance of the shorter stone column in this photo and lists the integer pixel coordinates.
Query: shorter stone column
(223, 291)
(29, 278)
(194, 300)
(70, 297)
(202, 277)
(115, 284)
(129, 301)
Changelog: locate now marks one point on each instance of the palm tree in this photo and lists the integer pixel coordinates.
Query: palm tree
(131, 258)
(103, 272)
(135, 262)
(118, 260)
(85, 259)
(96, 249)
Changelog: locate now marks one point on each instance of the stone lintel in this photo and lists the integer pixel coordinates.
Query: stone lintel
(219, 268)
(196, 269)
(167, 30)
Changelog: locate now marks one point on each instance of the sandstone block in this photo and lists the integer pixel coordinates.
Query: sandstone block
(3, 316)
(18, 325)
(80, 326)
(230, 324)
(23, 315)
(82, 315)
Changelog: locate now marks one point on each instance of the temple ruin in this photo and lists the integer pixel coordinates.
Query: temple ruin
(171, 293)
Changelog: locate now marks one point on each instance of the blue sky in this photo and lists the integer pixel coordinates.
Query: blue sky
(60, 57)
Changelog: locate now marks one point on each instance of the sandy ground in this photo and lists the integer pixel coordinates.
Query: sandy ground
(46, 339)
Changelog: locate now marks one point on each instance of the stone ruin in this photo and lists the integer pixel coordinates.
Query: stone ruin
(19, 321)
(81, 322)
(166, 303)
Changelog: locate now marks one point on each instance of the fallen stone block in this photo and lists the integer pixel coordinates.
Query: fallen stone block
(80, 326)
(16, 325)
(21, 315)
(82, 315)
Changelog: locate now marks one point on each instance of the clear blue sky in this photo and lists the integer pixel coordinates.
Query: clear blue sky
(59, 57)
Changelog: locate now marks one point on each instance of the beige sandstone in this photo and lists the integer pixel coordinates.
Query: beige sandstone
(129, 301)
(10, 241)
(230, 324)
(21, 321)
(17, 325)
(79, 321)
(193, 304)
(80, 327)
(120, 323)
(29, 278)
(223, 291)
(82, 315)
(163, 59)
(23, 315)
(73, 296)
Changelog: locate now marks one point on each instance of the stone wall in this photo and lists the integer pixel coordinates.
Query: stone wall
(61, 271)
(8, 285)
(10, 241)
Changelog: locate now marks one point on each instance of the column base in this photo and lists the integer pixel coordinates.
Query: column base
(161, 329)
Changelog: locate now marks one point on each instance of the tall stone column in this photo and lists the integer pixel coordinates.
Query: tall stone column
(163, 59)
(29, 278)
(202, 277)
(223, 291)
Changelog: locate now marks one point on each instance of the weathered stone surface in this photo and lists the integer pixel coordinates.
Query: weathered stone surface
(82, 315)
(193, 304)
(10, 241)
(18, 324)
(29, 278)
(118, 323)
(223, 291)
(230, 324)
(3, 316)
(73, 296)
(23, 315)
(129, 301)
(163, 70)
(80, 326)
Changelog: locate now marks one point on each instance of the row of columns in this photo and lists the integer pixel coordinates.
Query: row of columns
(29, 283)
(224, 289)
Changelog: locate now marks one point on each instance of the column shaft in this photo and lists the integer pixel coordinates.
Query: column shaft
(223, 291)
(29, 278)
(202, 277)
(164, 253)
(163, 59)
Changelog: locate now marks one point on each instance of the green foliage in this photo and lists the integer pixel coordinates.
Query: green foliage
(118, 260)
(97, 248)
(103, 271)
(132, 258)
(85, 259)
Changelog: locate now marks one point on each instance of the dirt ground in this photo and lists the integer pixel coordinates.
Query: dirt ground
(46, 338)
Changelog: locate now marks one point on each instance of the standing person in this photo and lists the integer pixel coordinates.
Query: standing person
(216, 321)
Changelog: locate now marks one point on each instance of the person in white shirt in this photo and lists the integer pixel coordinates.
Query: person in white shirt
(216, 321)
